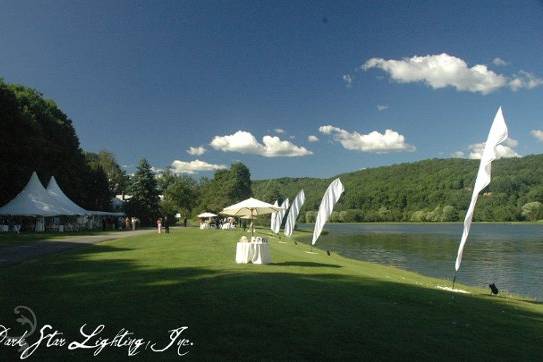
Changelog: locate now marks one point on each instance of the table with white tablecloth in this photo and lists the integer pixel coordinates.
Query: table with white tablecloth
(256, 252)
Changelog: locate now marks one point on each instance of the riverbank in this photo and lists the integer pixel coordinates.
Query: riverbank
(304, 306)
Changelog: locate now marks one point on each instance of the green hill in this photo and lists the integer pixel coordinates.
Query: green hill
(429, 190)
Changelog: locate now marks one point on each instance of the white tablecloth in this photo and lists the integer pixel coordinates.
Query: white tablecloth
(253, 252)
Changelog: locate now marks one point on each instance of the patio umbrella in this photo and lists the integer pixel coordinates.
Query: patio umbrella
(206, 215)
(250, 208)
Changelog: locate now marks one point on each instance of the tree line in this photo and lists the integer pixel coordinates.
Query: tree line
(436, 190)
(38, 136)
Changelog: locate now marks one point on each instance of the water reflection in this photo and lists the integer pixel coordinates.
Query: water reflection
(510, 255)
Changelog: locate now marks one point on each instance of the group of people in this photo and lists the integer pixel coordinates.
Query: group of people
(120, 223)
(163, 224)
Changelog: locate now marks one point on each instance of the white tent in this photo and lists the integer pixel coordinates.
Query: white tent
(34, 200)
(206, 215)
(56, 192)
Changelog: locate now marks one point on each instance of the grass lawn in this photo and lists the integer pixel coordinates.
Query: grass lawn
(303, 307)
(9, 239)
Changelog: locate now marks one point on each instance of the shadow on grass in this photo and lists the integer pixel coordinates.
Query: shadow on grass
(307, 264)
(17, 254)
(252, 315)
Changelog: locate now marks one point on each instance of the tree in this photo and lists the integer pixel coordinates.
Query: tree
(38, 136)
(533, 210)
(98, 193)
(144, 202)
(226, 188)
(182, 192)
(116, 176)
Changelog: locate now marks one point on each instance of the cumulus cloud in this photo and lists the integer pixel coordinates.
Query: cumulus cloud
(245, 142)
(444, 70)
(279, 130)
(381, 107)
(538, 134)
(196, 151)
(458, 154)
(312, 138)
(524, 80)
(348, 79)
(505, 150)
(499, 62)
(372, 142)
(179, 167)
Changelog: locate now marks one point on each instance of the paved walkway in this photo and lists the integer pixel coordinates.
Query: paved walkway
(15, 254)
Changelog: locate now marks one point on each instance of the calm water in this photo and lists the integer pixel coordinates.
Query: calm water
(509, 255)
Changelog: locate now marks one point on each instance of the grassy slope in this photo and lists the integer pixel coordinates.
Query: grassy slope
(302, 307)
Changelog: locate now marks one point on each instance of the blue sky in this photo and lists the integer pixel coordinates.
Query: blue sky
(152, 79)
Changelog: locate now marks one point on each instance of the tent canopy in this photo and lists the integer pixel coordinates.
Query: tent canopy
(34, 200)
(56, 193)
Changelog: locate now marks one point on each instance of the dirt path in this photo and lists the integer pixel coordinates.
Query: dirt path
(10, 255)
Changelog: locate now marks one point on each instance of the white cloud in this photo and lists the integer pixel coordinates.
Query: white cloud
(191, 167)
(245, 142)
(458, 154)
(381, 107)
(371, 142)
(505, 150)
(279, 130)
(537, 134)
(524, 80)
(499, 62)
(312, 138)
(348, 79)
(157, 171)
(196, 151)
(443, 70)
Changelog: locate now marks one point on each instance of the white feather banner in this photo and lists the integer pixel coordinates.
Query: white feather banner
(329, 200)
(273, 219)
(280, 215)
(497, 134)
(294, 212)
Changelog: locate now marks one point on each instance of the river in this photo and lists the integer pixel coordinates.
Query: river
(510, 255)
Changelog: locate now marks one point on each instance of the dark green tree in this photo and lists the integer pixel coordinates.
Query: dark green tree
(38, 136)
(144, 202)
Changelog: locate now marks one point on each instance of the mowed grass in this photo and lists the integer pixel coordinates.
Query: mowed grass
(13, 239)
(303, 307)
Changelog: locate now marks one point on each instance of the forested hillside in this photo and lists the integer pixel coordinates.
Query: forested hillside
(429, 190)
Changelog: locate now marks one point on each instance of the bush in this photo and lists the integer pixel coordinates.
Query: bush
(533, 211)
(418, 216)
(310, 216)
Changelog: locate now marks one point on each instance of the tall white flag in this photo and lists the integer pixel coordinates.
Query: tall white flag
(497, 134)
(331, 196)
(280, 215)
(294, 212)
(273, 219)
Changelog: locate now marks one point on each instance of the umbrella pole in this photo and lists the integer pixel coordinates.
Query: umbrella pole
(252, 225)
